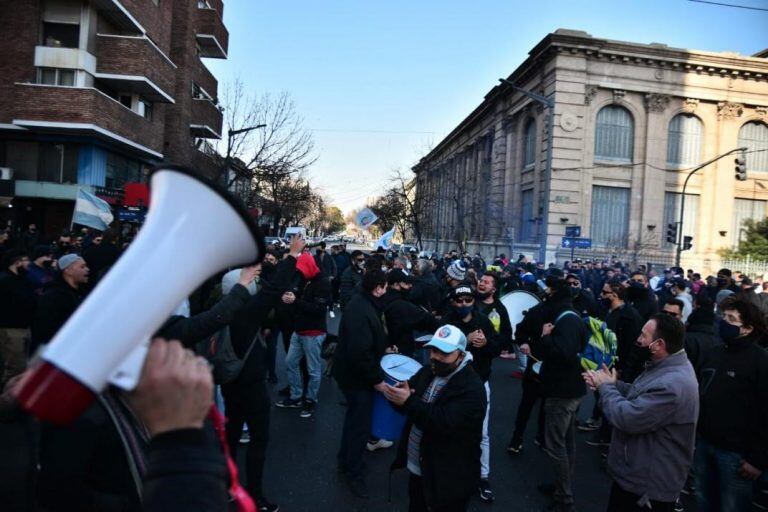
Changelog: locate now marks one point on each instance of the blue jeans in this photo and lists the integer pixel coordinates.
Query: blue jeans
(718, 484)
(309, 347)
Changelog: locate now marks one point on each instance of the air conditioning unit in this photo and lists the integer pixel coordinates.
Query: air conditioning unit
(6, 173)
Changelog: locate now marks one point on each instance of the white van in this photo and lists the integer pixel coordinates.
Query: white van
(294, 230)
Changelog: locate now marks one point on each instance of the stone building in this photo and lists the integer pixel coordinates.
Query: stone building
(630, 121)
(95, 92)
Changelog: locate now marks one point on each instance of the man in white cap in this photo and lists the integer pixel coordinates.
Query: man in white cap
(445, 405)
(60, 299)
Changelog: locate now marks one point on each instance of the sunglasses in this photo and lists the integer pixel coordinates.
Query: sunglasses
(671, 313)
(464, 300)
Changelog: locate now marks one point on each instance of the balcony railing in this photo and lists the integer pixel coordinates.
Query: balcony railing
(212, 35)
(206, 119)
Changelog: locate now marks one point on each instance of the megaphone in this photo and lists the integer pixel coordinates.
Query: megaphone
(193, 229)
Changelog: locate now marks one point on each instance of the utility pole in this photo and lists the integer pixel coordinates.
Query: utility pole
(679, 242)
(549, 103)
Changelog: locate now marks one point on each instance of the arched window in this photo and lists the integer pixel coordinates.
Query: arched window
(529, 143)
(754, 136)
(684, 140)
(614, 134)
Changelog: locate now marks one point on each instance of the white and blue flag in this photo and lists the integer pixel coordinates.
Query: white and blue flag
(386, 240)
(91, 211)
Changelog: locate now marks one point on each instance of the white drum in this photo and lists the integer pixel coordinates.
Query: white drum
(518, 303)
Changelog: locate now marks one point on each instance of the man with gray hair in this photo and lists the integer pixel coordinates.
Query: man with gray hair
(426, 289)
(61, 298)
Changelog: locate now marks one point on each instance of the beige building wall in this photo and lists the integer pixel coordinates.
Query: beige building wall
(654, 83)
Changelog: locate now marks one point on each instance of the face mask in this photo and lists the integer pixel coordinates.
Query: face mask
(728, 332)
(383, 268)
(483, 296)
(606, 302)
(648, 348)
(636, 291)
(47, 264)
(360, 264)
(463, 311)
(442, 369)
(721, 281)
(408, 265)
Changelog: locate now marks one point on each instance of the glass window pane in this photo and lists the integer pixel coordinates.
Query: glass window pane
(744, 209)
(614, 134)
(61, 35)
(66, 77)
(48, 76)
(610, 216)
(754, 136)
(684, 140)
(529, 144)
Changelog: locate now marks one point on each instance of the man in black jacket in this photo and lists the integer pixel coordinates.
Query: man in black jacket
(351, 278)
(357, 370)
(401, 316)
(583, 300)
(485, 345)
(700, 335)
(17, 309)
(489, 305)
(444, 404)
(309, 308)
(61, 298)
(562, 338)
(732, 445)
(325, 262)
(641, 297)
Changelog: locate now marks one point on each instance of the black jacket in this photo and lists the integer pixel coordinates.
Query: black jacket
(426, 292)
(627, 323)
(585, 304)
(646, 305)
(186, 471)
(452, 428)
(483, 356)
(311, 306)
(505, 327)
(326, 264)
(100, 259)
(350, 284)
(17, 301)
(55, 307)
(561, 363)
(733, 383)
(361, 345)
(402, 317)
(700, 336)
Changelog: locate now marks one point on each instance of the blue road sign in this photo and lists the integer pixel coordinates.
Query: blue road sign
(576, 243)
(573, 231)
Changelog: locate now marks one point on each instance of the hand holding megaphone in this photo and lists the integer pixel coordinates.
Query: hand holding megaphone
(141, 290)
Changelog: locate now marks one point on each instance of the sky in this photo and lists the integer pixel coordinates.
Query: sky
(380, 82)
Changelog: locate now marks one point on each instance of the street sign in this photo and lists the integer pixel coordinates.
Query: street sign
(573, 231)
(576, 243)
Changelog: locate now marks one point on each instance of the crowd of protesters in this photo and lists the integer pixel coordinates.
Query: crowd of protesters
(681, 402)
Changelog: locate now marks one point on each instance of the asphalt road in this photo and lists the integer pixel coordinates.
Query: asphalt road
(301, 462)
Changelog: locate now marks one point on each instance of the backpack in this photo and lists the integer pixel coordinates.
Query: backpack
(602, 345)
(219, 352)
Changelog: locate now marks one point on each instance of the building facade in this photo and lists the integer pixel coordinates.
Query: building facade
(630, 122)
(95, 92)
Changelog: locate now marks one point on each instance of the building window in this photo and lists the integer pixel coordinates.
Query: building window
(145, 109)
(684, 140)
(121, 170)
(610, 216)
(614, 134)
(126, 100)
(203, 4)
(744, 209)
(61, 35)
(754, 136)
(527, 218)
(57, 163)
(672, 215)
(54, 76)
(529, 144)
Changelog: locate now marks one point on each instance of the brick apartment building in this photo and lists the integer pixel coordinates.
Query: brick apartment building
(95, 92)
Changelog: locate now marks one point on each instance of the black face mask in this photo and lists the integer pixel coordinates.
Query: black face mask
(47, 264)
(636, 291)
(442, 369)
(483, 296)
(721, 281)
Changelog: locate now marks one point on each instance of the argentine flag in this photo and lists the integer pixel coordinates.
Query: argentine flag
(91, 211)
(386, 240)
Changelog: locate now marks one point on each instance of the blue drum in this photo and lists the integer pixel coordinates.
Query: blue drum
(386, 422)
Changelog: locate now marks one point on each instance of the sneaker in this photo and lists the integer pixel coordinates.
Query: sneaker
(357, 487)
(486, 494)
(286, 391)
(308, 409)
(679, 506)
(514, 448)
(378, 445)
(288, 403)
(688, 489)
(245, 437)
(264, 505)
(590, 425)
(598, 443)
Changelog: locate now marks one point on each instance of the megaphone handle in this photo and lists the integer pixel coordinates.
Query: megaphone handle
(242, 499)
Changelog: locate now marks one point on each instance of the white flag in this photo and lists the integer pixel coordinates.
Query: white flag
(91, 211)
(365, 218)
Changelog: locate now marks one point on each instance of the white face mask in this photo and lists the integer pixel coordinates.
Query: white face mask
(383, 268)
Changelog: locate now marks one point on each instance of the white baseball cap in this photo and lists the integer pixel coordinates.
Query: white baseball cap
(448, 338)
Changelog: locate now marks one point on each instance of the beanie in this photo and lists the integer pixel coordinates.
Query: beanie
(67, 260)
(457, 270)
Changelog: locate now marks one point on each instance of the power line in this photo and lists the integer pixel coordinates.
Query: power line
(730, 5)
(370, 131)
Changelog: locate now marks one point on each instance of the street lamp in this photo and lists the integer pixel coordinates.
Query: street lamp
(548, 103)
(230, 134)
(679, 233)
(243, 130)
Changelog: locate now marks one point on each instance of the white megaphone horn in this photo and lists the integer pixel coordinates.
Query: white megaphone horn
(193, 229)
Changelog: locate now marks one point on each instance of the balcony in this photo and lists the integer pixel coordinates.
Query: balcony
(202, 76)
(117, 13)
(86, 112)
(212, 36)
(133, 64)
(206, 120)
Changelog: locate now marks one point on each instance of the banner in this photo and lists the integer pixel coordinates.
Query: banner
(365, 218)
(91, 211)
(386, 240)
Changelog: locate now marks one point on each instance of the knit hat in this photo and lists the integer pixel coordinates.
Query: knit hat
(398, 275)
(67, 260)
(457, 270)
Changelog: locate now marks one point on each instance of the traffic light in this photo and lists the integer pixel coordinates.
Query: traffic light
(687, 245)
(672, 232)
(741, 168)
